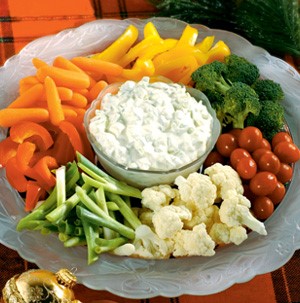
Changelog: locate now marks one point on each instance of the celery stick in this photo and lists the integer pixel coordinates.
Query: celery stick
(109, 183)
(104, 245)
(125, 210)
(60, 185)
(75, 241)
(105, 221)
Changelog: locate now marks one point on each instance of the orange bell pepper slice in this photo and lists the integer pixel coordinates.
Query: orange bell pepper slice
(8, 149)
(34, 193)
(31, 130)
(41, 172)
(70, 130)
(24, 155)
(15, 176)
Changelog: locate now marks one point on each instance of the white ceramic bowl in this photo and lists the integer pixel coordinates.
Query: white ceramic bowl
(135, 278)
(146, 178)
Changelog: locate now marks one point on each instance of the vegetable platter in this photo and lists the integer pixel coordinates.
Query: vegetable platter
(141, 278)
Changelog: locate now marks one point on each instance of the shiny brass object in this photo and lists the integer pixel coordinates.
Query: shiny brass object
(40, 286)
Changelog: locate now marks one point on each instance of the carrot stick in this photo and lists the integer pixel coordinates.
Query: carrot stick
(11, 116)
(69, 113)
(38, 62)
(53, 101)
(63, 77)
(65, 63)
(96, 89)
(98, 66)
(64, 93)
(29, 80)
(77, 100)
(29, 97)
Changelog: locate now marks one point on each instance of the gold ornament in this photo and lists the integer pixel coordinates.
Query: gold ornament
(40, 286)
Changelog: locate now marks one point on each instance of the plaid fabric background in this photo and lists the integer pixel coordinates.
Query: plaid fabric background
(22, 21)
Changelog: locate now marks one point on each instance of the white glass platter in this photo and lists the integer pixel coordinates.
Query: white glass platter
(137, 278)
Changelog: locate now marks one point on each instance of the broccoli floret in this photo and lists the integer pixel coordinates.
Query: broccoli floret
(270, 119)
(267, 89)
(239, 101)
(209, 77)
(240, 69)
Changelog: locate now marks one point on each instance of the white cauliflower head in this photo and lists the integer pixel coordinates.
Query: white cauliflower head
(168, 220)
(208, 216)
(235, 211)
(149, 246)
(197, 188)
(223, 234)
(158, 196)
(194, 242)
(225, 178)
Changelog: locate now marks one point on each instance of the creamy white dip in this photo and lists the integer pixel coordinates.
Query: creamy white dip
(151, 126)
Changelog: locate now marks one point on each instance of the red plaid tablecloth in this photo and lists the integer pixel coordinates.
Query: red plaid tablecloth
(22, 21)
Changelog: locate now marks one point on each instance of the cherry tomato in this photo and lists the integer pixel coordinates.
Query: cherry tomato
(269, 162)
(258, 153)
(237, 155)
(280, 137)
(226, 143)
(278, 193)
(236, 132)
(287, 152)
(246, 168)
(285, 173)
(263, 183)
(250, 138)
(265, 144)
(212, 158)
(262, 207)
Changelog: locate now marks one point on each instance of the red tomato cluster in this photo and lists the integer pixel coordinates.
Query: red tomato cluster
(264, 167)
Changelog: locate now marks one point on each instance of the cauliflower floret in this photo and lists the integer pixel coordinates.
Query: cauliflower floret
(223, 234)
(197, 188)
(149, 246)
(225, 178)
(235, 211)
(126, 249)
(158, 196)
(145, 215)
(194, 242)
(238, 234)
(207, 216)
(169, 219)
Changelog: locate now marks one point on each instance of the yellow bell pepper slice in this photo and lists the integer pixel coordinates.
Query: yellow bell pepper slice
(206, 44)
(157, 49)
(218, 52)
(177, 68)
(140, 69)
(119, 47)
(139, 48)
(188, 37)
(150, 31)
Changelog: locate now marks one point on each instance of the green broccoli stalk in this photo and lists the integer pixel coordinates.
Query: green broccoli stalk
(240, 69)
(270, 119)
(267, 89)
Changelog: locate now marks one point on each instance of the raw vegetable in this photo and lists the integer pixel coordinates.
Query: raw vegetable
(227, 86)
(265, 169)
(270, 119)
(74, 211)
